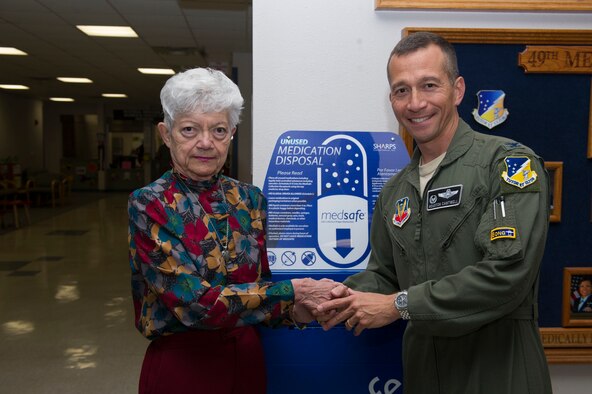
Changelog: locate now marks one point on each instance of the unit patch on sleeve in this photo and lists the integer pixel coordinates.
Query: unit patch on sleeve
(503, 232)
(518, 172)
(445, 197)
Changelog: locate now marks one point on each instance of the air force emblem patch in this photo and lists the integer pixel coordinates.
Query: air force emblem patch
(518, 172)
(402, 212)
(491, 111)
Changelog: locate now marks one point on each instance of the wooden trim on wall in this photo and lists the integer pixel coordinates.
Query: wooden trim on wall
(509, 36)
(567, 345)
(515, 5)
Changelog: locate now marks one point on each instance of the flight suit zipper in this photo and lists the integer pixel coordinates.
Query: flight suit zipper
(450, 237)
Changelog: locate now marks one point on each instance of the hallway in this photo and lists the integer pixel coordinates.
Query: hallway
(66, 319)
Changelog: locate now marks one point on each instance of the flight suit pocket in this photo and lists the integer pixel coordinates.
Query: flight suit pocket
(498, 231)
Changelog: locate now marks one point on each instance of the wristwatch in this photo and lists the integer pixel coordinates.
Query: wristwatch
(401, 304)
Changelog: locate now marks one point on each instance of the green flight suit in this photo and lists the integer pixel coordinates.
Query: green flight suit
(472, 273)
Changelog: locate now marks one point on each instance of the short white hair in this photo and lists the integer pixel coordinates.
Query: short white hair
(200, 89)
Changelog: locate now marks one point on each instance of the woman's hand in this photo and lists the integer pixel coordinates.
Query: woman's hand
(310, 293)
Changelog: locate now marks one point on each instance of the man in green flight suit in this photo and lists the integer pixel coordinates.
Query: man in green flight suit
(457, 240)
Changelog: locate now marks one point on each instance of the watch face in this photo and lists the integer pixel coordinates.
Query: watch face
(402, 300)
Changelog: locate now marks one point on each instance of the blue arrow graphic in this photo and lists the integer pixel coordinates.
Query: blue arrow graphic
(343, 241)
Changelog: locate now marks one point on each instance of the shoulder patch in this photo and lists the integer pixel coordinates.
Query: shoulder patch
(518, 172)
(502, 232)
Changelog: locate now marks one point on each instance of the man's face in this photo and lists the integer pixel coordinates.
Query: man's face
(422, 96)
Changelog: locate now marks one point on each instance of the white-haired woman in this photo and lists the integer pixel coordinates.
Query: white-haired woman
(200, 275)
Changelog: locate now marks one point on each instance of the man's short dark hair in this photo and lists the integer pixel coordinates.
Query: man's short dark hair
(424, 39)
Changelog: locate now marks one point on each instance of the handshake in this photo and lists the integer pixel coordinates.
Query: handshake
(331, 303)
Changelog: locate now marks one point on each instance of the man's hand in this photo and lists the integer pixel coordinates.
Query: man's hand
(359, 310)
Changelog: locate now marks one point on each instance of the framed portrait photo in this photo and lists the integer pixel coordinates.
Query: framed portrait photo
(577, 297)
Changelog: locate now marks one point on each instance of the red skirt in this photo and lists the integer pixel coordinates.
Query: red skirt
(227, 361)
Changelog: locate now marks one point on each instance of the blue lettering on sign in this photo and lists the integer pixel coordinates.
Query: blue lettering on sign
(343, 215)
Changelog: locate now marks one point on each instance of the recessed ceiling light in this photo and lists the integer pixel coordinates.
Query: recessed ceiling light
(114, 95)
(11, 51)
(74, 80)
(61, 99)
(107, 31)
(14, 87)
(159, 71)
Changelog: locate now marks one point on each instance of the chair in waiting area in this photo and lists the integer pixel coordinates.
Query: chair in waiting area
(11, 199)
(44, 186)
(65, 189)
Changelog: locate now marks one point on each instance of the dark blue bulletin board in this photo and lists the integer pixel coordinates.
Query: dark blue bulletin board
(549, 113)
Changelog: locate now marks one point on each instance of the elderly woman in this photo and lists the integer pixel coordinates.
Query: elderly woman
(200, 275)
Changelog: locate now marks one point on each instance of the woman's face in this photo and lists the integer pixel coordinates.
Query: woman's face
(585, 288)
(198, 143)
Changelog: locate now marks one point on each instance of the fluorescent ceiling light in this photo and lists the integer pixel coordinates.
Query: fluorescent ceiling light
(11, 51)
(14, 87)
(61, 99)
(159, 71)
(74, 80)
(107, 31)
(114, 95)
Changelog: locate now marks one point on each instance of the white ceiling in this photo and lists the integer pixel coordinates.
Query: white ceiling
(176, 34)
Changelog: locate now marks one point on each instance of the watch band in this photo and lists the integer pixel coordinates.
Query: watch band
(404, 312)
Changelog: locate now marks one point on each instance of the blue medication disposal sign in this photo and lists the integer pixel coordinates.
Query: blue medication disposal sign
(321, 188)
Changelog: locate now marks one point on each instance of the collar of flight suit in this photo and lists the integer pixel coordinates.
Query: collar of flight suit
(461, 142)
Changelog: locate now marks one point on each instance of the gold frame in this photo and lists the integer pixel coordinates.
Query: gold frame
(568, 318)
(555, 169)
(515, 5)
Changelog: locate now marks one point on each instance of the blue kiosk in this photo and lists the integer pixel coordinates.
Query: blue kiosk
(321, 188)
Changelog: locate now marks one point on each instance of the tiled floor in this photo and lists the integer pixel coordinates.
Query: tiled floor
(66, 321)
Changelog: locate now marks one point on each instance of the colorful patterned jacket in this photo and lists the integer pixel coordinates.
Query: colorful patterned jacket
(180, 280)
